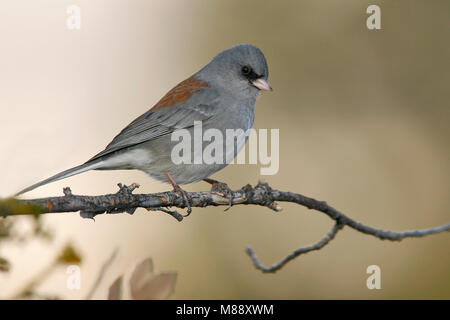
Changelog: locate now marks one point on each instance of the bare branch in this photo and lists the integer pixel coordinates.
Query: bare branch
(294, 254)
(262, 194)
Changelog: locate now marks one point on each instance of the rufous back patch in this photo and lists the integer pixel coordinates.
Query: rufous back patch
(180, 93)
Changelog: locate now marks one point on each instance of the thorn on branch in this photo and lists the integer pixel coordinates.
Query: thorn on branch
(128, 190)
(90, 214)
(263, 195)
(67, 192)
(178, 216)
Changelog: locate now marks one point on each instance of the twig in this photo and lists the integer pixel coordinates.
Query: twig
(294, 254)
(262, 194)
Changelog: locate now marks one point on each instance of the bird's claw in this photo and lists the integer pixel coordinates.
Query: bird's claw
(186, 198)
(223, 188)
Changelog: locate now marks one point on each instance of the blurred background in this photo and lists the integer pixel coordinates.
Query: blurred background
(363, 118)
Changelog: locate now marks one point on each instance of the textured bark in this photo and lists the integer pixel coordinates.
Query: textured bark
(262, 194)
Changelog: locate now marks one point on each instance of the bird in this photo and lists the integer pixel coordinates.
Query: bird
(220, 96)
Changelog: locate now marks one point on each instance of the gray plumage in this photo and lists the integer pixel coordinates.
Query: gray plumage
(226, 101)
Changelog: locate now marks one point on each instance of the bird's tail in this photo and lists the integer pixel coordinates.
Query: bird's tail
(62, 175)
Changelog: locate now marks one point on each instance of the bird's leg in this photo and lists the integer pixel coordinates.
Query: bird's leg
(222, 187)
(184, 195)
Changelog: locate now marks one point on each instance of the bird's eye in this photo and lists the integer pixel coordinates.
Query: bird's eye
(246, 70)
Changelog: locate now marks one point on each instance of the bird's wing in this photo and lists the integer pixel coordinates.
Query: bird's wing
(160, 121)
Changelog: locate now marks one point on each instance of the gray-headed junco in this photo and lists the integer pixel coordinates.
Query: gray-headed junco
(222, 96)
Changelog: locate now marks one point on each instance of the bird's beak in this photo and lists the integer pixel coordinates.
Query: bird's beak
(262, 84)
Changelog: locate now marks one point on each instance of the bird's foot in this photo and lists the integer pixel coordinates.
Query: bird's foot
(187, 199)
(223, 188)
(176, 188)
